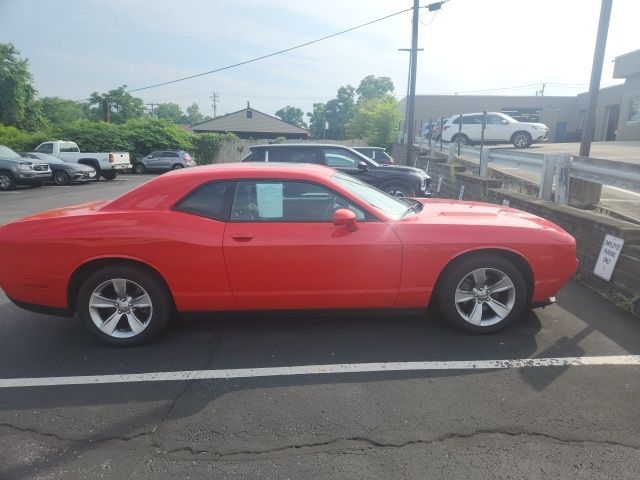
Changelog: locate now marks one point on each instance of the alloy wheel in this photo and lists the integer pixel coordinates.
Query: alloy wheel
(5, 181)
(521, 140)
(485, 296)
(120, 308)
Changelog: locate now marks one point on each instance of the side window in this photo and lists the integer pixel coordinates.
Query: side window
(308, 155)
(472, 120)
(211, 200)
(45, 148)
(284, 201)
(494, 120)
(170, 154)
(338, 158)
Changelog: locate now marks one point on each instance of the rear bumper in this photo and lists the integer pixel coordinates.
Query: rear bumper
(120, 166)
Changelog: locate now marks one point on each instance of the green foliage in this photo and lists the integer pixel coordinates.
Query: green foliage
(376, 120)
(279, 140)
(292, 115)
(627, 304)
(374, 87)
(59, 111)
(169, 111)
(22, 140)
(146, 135)
(205, 145)
(123, 105)
(193, 114)
(17, 95)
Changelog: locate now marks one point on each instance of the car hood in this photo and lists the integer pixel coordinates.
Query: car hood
(76, 167)
(454, 212)
(403, 168)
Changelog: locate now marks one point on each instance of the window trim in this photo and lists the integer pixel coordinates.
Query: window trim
(227, 201)
(631, 101)
(367, 212)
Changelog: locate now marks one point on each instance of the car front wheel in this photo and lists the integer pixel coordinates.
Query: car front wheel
(482, 293)
(61, 178)
(139, 168)
(124, 305)
(521, 140)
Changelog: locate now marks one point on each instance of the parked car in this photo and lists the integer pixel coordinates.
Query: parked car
(378, 154)
(164, 160)
(500, 128)
(106, 164)
(278, 237)
(64, 173)
(396, 180)
(16, 170)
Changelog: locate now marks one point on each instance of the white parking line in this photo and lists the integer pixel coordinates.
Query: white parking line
(320, 370)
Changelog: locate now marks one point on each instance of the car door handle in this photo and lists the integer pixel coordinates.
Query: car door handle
(242, 237)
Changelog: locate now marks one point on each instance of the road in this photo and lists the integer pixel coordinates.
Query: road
(441, 421)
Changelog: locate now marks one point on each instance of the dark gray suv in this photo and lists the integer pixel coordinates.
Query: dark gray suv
(16, 170)
(397, 180)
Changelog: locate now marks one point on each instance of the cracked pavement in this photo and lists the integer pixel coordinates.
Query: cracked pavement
(551, 422)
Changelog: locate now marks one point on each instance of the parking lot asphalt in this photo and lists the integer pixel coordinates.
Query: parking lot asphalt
(551, 421)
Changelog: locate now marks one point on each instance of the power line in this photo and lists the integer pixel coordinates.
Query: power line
(273, 54)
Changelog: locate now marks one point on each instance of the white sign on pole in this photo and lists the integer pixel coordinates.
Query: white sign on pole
(609, 253)
(439, 184)
(461, 193)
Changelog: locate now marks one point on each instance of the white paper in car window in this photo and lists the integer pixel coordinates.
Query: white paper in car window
(270, 200)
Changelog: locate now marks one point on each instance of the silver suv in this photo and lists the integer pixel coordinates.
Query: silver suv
(163, 160)
(17, 170)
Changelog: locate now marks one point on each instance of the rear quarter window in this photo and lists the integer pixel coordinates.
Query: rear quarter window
(211, 200)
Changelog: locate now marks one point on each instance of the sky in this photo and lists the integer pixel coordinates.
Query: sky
(76, 47)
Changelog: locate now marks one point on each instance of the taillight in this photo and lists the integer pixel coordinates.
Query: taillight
(186, 156)
(111, 158)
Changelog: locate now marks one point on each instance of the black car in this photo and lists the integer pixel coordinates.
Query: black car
(396, 180)
(64, 173)
(378, 154)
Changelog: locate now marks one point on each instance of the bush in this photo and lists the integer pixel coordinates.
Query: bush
(139, 137)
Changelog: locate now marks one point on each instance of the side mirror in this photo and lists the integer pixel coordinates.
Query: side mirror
(362, 165)
(346, 218)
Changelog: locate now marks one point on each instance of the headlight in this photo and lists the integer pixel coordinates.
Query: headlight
(539, 127)
(25, 166)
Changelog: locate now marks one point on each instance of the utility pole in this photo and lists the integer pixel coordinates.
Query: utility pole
(214, 101)
(153, 106)
(596, 74)
(411, 100)
(106, 110)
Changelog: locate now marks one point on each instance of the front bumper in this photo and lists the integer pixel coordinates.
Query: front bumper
(33, 177)
(543, 137)
(83, 177)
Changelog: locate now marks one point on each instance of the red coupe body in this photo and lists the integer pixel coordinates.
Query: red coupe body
(213, 265)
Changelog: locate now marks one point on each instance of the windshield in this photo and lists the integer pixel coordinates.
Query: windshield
(45, 157)
(6, 152)
(396, 208)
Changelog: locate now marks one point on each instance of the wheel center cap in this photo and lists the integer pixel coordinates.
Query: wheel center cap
(123, 305)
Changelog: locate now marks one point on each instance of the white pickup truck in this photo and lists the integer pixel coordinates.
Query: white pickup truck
(107, 164)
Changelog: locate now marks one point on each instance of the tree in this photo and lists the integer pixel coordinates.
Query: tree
(17, 98)
(336, 112)
(292, 115)
(376, 120)
(123, 105)
(59, 110)
(373, 87)
(169, 111)
(193, 114)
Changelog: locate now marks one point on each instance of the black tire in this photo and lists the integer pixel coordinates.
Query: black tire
(62, 178)
(521, 139)
(398, 188)
(462, 314)
(7, 182)
(460, 138)
(109, 174)
(156, 317)
(177, 166)
(139, 168)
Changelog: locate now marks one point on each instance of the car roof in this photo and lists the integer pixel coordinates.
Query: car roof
(369, 148)
(299, 145)
(167, 189)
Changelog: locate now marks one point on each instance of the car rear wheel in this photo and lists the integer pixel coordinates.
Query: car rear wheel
(521, 139)
(399, 189)
(124, 305)
(6, 181)
(110, 174)
(177, 166)
(139, 168)
(461, 138)
(62, 178)
(482, 293)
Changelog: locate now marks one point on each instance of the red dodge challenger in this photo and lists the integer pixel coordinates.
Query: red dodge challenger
(275, 237)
